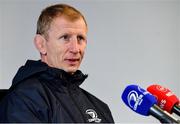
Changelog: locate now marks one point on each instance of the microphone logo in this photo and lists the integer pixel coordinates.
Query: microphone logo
(163, 89)
(162, 103)
(134, 99)
(160, 88)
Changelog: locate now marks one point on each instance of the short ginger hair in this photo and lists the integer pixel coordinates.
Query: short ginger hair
(51, 12)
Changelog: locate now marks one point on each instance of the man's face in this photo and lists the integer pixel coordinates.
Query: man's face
(66, 44)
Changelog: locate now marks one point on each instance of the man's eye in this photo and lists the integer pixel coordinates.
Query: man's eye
(81, 38)
(65, 37)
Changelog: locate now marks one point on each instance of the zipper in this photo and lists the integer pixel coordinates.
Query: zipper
(71, 96)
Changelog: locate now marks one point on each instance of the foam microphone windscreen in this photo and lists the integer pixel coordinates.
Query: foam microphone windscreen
(166, 99)
(138, 99)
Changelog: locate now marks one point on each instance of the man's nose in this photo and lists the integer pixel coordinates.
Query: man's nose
(74, 46)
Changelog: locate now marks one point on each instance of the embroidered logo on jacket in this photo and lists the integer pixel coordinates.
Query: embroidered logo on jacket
(93, 115)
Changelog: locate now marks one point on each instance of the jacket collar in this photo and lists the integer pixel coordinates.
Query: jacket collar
(67, 79)
(32, 68)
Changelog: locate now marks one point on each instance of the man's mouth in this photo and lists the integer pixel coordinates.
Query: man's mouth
(72, 61)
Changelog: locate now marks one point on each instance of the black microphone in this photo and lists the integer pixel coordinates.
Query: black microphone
(144, 103)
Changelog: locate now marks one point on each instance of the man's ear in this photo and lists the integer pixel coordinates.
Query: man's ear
(40, 43)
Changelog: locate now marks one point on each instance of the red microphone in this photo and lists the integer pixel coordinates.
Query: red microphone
(166, 99)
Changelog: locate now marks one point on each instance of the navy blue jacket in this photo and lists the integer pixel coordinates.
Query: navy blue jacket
(40, 93)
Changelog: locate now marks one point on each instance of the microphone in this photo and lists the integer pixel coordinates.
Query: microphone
(166, 99)
(144, 103)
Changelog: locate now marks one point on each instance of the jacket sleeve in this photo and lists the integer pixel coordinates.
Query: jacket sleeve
(22, 107)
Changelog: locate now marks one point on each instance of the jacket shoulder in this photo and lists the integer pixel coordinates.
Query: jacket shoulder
(94, 98)
(31, 89)
(25, 102)
(96, 101)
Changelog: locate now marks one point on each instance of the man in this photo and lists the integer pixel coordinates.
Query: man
(48, 90)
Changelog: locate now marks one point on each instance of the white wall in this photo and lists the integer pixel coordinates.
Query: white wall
(129, 41)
